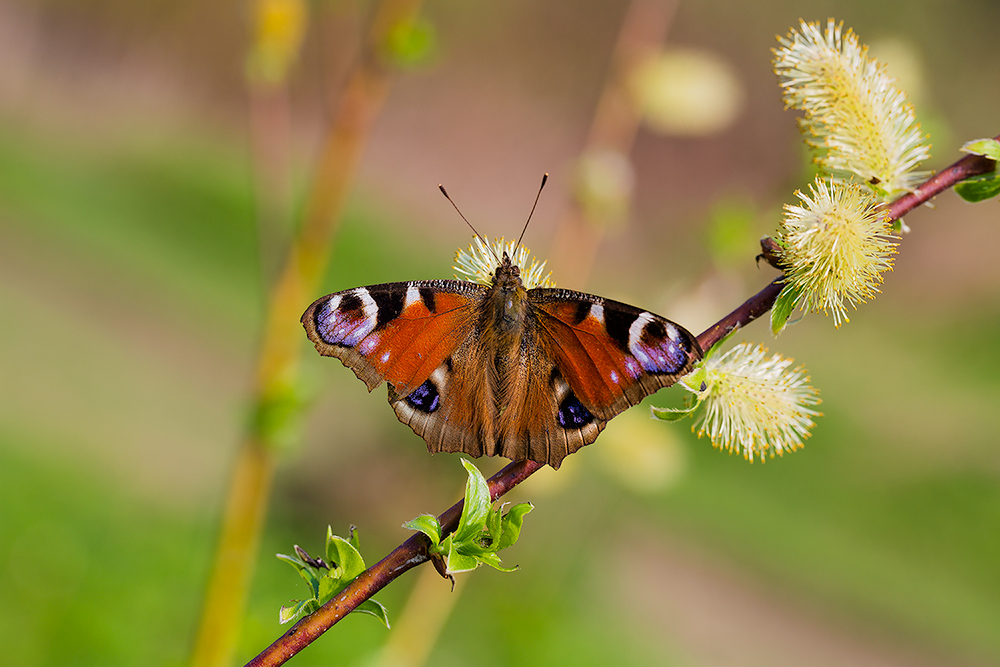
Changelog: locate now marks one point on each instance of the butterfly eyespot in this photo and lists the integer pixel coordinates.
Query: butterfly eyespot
(425, 398)
(572, 413)
(658, 346)
(346, 319)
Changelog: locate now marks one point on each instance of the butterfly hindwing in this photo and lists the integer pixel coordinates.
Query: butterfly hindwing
(454, 410)
(545, 421)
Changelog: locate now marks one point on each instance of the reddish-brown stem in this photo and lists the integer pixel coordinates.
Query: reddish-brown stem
(751, 309)
(970, 165)
(413, 551)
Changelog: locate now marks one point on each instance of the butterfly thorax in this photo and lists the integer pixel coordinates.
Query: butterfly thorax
(507, 303)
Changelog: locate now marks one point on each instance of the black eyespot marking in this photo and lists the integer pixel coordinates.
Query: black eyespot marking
(447, 363)
(582, 310)
(425, 398)
(390, 305)
(349, 303)
(618, 323)
(572, 414)
(427, 296)
(654, 332)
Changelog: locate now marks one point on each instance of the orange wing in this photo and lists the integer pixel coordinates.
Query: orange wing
(398, 332)
(611, 355)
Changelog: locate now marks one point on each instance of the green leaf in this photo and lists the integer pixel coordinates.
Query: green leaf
(345, 564)
(783, 307)
(330, 585)
(346, 557)
(989, 148)
(457, 562)
(332, 554)
(979, 188)
(493, 561)
(374, 608)
(428, 525)
(481, 532)
(288, 613)
(511, 525)
(673, 414)
(494, 525)
(476, 507)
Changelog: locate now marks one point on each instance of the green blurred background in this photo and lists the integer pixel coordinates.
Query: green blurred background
(132, 273)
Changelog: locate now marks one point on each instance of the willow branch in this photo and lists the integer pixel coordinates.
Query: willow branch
(414, 551)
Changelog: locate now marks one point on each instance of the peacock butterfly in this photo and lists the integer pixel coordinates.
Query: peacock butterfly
(501, 370)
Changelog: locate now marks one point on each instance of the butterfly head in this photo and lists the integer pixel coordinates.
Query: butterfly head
(507, 276)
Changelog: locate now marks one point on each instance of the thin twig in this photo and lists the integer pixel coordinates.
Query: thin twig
(413, 551)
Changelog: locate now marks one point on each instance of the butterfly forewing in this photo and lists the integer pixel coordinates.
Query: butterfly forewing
(612, 355)
(399, 332)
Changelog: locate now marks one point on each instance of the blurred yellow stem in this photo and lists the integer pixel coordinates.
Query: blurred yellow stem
(244, 513)
(282, 343)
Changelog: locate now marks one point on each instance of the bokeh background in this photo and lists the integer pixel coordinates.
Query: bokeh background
(140, 228)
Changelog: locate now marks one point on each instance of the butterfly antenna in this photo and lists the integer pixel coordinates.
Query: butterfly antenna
(480, 236)
(545, 177)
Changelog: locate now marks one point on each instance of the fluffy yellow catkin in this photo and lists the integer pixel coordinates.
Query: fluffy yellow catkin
(856, 118)
(751, 403)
